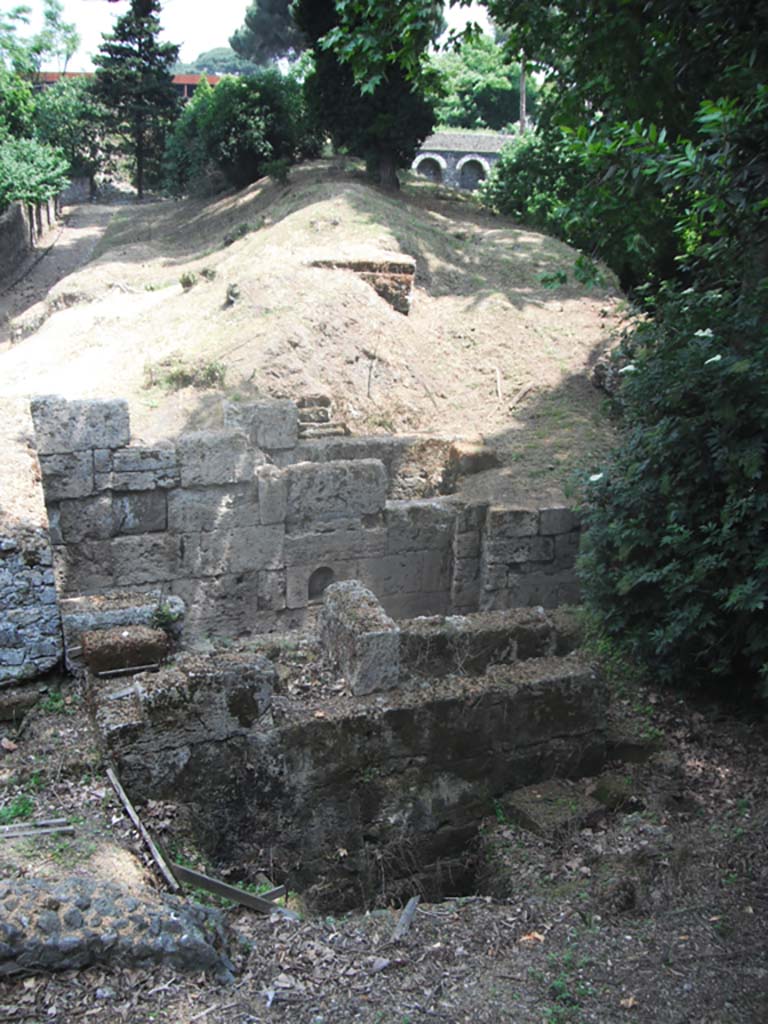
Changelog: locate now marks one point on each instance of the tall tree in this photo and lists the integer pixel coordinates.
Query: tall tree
(268, 33)
(377, 112)
(134, 83)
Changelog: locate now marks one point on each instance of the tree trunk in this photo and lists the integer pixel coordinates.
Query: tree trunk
(388, 171)
(140, 160)
(523, 97)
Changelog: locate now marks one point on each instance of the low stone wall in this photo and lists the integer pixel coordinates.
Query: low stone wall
(48, 925)
(20, 228)
(398, 782)
(30, 632)
(250, 545)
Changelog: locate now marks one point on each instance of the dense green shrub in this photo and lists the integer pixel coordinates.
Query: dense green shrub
(67, 116)
(17, 105)
(30, 172)
(240, 127)
(676, 553)
(565, 183)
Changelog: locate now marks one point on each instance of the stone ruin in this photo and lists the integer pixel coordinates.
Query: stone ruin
(440, 675)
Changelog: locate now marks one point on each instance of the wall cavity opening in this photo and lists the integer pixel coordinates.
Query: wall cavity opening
(318, 582)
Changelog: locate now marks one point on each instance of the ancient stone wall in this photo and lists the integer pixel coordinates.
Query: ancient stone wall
(20, 227)
(249, 536)
(30, 635)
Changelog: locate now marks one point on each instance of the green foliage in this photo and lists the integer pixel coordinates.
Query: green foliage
(373, 109)
(30, 172)
(18, 809)
(17, 105)
(55, 703)
(56, 40)
(480, 86)
(164, 617)
(676, 561)
(68, 116)
(188, 280)
(134, 84)
(241, 127)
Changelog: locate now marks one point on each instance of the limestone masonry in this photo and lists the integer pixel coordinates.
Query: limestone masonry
(248, 525)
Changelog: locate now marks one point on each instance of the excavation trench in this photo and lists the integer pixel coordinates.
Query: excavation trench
(354, 801)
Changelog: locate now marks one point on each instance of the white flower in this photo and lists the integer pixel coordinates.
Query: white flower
(629, 368)
(595, 477)
(705, 332)
(713, 359)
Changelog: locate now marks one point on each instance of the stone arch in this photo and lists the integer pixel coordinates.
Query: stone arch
(472, 169)
(321, 578)
(430, 165)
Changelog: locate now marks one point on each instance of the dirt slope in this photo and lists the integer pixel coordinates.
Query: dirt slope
(482, 328)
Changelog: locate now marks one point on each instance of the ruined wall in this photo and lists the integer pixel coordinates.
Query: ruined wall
(30, 635)
(20, 227)
(250, 545)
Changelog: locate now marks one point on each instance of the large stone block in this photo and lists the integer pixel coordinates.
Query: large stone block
(465, 585)
(324, 492)
(62, 426)
(232, 551)
(437, 571)
(68, 475)
(514, 551)
(227, 604)
(360, 638)
(84, 568)
(419, 525)
(216, 457)
(393, 574)
(200, 510)
(136, 469)
(272, 425)
(81, 518)
(146, 558)
(567, 549)
(503, 524)
(558, 519)
(273, 495)
(318, 549)
(139, 512)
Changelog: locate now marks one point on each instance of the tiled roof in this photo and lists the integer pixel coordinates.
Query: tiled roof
(466, 142)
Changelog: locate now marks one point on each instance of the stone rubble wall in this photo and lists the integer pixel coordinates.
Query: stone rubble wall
(66, 925)
(30, 632)
(235, 526)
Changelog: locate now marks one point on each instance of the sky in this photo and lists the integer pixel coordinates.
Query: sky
(196, 25)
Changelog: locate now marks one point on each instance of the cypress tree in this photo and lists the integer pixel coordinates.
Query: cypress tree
(134, 82)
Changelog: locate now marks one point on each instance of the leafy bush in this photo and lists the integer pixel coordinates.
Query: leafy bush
(17, 105)
(242, 127)
(567, 183)
(30, 172)
(68, 116)
(676, 561)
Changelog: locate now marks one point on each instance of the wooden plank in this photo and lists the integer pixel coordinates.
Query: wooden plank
(165, 871)
(406, 918)
(262, 903)
(36, 823)
(59, 830)
(128, 671)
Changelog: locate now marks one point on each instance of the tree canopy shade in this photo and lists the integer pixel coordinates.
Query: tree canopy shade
(653, 59)
(384, 118)
(134, 84)
(268, 33)
(67, 116)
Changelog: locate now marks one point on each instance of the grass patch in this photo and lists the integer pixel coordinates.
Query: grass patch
(19, 809)
(174, 372)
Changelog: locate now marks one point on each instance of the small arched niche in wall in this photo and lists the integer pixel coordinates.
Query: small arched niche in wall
(318, 581)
